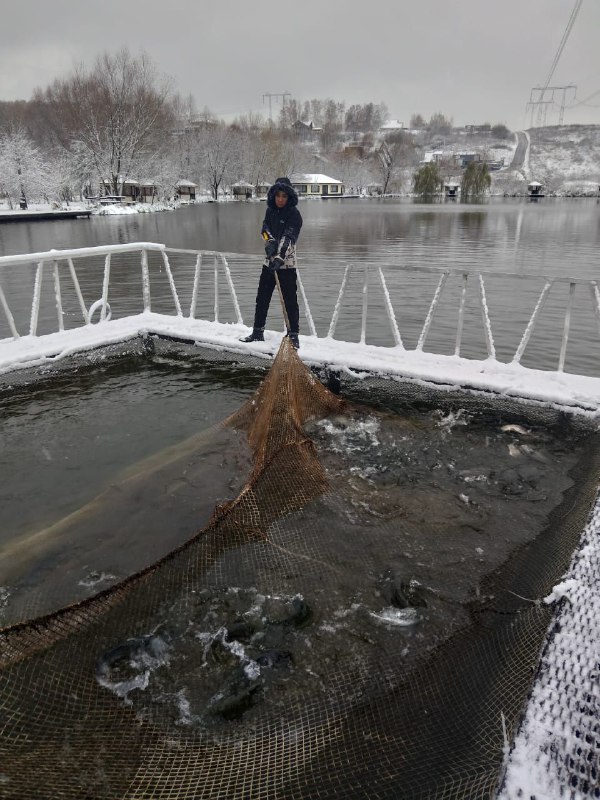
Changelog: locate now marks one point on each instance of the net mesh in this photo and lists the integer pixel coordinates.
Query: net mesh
(253, 661)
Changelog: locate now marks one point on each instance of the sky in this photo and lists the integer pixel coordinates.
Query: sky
(473, 60)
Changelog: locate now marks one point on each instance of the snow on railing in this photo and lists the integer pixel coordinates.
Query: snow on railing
(62, 264)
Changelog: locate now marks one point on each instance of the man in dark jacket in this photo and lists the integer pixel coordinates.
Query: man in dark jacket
(280, 228)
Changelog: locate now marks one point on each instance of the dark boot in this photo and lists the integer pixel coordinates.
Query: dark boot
(256, 336)
(293, 337)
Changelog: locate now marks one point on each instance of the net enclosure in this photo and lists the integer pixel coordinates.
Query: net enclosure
(361, 621)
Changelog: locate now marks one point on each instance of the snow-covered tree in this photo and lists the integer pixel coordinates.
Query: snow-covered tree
(24, 173)
(115, 116)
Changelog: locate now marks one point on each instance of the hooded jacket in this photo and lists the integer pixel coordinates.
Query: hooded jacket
(283, 224)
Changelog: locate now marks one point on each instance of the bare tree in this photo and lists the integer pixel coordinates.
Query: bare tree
(218, 151)
(23, 171)
(116, 113)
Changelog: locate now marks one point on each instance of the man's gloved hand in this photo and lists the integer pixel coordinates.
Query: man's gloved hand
(271, 248)
(275, 264)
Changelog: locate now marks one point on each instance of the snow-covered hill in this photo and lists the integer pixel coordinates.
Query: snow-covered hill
(566, 158)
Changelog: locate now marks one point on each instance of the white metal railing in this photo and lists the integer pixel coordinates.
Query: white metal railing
(62, 262)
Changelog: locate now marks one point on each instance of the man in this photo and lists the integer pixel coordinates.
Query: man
(280, 228)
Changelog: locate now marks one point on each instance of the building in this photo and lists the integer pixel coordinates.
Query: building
(464, 159)
(132, 191)
(306, 131)
(391, 126)
(317, 185)
(535, 190)
(185, 191)
(242, 190)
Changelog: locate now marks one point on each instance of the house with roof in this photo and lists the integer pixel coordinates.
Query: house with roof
(317, 185)
(391, 126)
(306, 131)
(242, 190)
(186, 191)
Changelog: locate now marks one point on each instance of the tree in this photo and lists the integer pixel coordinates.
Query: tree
(218, 150)
(500, 131)
(23, 171)
(365, 119)
(396, 150)
(427, 181)
(439, 124)
(476, 180)
(117, 113)
(417, 122)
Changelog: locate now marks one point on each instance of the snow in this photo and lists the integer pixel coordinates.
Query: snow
(577, 393)
(555, 749)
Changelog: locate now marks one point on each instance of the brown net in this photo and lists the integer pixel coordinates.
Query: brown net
(299, 646)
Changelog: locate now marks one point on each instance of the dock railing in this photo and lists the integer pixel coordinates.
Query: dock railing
(382, 304)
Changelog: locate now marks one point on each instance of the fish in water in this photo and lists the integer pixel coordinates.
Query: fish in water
(514, 429)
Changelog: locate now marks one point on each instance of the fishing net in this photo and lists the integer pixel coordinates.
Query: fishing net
(333, 631)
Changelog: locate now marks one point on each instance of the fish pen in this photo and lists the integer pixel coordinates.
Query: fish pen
(364, 615)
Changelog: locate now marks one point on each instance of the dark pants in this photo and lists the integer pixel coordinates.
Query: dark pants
(266, 285)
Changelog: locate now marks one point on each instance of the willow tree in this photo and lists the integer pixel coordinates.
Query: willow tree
(476, 180)
(427, 181)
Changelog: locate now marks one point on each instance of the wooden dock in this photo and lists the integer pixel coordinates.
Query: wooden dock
(34, 216)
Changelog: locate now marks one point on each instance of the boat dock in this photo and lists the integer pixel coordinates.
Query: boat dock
(33, 216)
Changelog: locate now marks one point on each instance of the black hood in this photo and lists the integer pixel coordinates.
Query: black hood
(282, 185)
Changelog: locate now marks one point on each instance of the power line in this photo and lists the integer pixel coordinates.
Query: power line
(563, 41)
(540, 102)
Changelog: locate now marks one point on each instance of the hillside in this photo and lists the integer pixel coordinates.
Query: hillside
(566, 158)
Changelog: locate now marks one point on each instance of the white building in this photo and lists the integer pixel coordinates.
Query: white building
(317, 185)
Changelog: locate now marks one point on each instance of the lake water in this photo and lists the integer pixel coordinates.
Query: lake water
(554, 238)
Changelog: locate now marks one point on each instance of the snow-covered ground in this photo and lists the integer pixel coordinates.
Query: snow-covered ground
(566, 158)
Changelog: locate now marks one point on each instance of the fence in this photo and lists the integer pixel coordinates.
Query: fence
(43, 293)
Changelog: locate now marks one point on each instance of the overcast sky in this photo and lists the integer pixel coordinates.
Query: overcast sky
(473, 60)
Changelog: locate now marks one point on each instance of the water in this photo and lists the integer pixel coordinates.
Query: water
(553, 237)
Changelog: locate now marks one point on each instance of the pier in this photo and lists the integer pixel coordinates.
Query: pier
(33, 216)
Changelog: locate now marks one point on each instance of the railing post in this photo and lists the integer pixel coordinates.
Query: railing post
(531, 324)
(390, 311)
(461, 314)
(84, 311)
(146, 282)
(365, 303)
(566, 327)
(172, 284)
(595, 301)
(196, 285)
(236, 305)
(338, 305)
(9, 316)
(105, 283)
(35, 303)
(311, 324)
(57, 296)
(216, 284)
(487, 326)
(430, 313)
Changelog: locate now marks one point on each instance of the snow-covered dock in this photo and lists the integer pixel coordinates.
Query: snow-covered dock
(34, 216)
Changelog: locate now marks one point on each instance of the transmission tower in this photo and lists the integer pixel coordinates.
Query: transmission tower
(541, 101)
(276, 96)
(543, 96)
